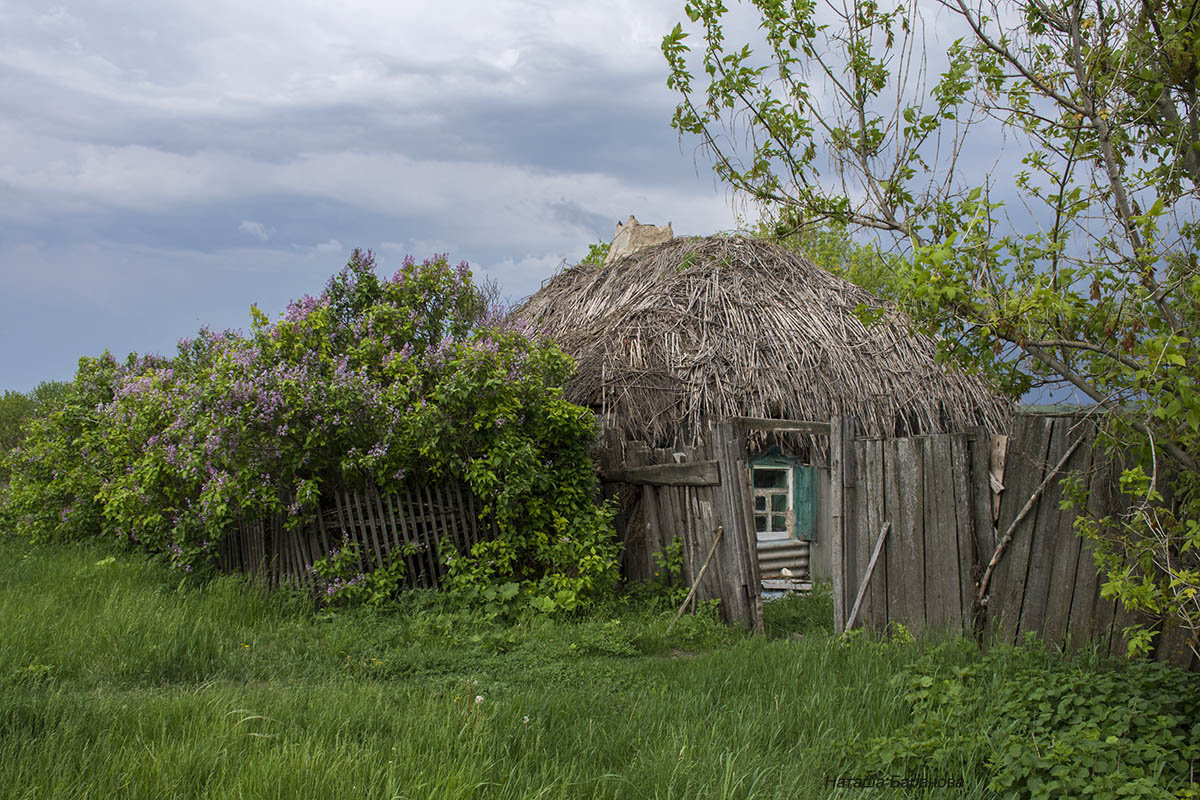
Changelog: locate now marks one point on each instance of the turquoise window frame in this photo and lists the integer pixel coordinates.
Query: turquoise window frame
(804, 495)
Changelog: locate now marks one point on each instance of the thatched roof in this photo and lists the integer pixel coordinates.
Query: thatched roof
(678, 335)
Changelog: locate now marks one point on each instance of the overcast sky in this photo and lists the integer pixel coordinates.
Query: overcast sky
(165, 165)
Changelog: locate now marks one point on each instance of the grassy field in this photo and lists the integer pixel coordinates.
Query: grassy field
(116, 680)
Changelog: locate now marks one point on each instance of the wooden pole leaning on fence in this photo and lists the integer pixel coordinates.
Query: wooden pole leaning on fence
(699, 577)
(862, 589)
(1008, 534)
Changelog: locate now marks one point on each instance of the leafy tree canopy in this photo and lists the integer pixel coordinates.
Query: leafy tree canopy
(1036, 172)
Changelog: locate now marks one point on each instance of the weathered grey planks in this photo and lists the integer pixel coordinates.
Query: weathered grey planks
(407, 525)
(1027, 456)
(893, 549)
(741, 594)
(936, 494)
(699, 473)
(965, 518)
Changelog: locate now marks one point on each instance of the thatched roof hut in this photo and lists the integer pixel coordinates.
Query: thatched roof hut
(681, 334)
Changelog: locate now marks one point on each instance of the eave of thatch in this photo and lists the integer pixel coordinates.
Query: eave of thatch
(674, 337)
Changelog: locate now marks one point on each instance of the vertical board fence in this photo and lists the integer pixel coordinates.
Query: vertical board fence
(410, 524)
(931, 496)
(919, 493)
(698, 496)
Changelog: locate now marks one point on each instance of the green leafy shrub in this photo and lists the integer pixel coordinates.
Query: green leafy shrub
(58, 468)
(1042, 726)
(668, 586)
(340, 579)
(376, 380)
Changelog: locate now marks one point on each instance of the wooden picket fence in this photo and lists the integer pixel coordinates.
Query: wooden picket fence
(411, 524)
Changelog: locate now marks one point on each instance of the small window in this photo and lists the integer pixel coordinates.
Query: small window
(772, 502)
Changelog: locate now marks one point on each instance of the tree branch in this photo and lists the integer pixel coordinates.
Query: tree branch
(1181, 457)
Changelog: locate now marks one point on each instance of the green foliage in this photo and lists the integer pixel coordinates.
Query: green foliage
(1044, 727)
(56, 470)
(16, 409)
(341, 579)
(377, 380)
(1076, 267)
(595, 255)
(668, 585)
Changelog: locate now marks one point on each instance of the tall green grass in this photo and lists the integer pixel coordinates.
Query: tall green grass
(117, 680)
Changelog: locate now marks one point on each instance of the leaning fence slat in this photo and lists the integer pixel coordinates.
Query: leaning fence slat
(420, 514)
(409, 518)
(1043, 534)
(467, 509)
(373, 525)
(862, 531)
(696, 584)
(387, 533)
(323, 531)
(875, 604)
(343, 528)
(450, 516)
(431, 517)
(395, 513)
(356, 529)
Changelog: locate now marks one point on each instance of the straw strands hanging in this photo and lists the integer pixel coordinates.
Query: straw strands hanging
(679, 335)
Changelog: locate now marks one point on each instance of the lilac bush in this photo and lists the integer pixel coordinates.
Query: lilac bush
(412, 377)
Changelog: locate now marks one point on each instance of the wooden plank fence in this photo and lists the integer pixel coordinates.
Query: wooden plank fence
(410, 524)
(932, 496)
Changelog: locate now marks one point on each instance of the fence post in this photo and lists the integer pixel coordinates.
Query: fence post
(837, 534)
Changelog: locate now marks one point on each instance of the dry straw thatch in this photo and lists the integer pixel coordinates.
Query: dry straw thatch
(679, 335)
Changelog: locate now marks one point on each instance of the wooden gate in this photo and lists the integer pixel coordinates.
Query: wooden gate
(702, 496)
(691, 494)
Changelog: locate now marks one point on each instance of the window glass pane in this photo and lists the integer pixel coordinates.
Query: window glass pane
(770, 478)
(779, 502)
(778, 522)
(760, 523)
(760, 503)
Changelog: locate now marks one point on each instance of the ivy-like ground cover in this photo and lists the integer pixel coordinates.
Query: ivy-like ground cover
(374, 380)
